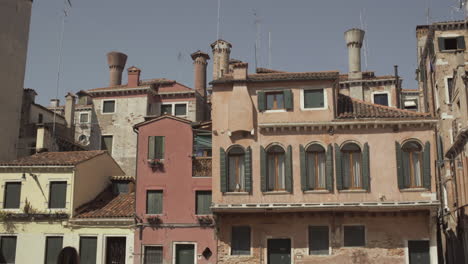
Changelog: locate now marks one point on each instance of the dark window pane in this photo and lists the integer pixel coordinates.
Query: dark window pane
(84, 118)
(154, 202)
(166, 109)
(318, 240)
(381, 99)
(275, 100)
(419, 252)
(7, 249)
(180, 109)
(120, 187)
(52, 250)
(450, 43)
(159, 147)
(314, 98)
(108, 107)
(240, 240)
(106, 143)
(450, 89)
(354, 236)
(12, 195)
(153, 255)
(58, 194)
(88, 250)
(203, 202)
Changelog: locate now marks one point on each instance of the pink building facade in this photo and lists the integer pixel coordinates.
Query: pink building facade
(173, 193)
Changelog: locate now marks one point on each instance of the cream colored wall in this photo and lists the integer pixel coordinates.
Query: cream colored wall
(31, 237)
(48, 117)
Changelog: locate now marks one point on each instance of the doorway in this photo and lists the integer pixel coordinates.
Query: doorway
(418, 251)
(115, 250)
(279, 251)
(184, 254)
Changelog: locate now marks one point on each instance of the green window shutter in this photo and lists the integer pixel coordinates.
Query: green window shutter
(288, 170)
(53, 247)
(304, 185)
(159, 147)
(88, 250)
(263, 169)
(288, 99)
(365, 168)
(203, 202)
(329, 168)
(261, 101)
(399, 165)
(12, 195)
(248, 169)
(154, 202)
(57, 195)
(223, 170)
(8, 249)
(461, 42)
(441, 42)
(427, 166)
(339, 174)
(151, 147)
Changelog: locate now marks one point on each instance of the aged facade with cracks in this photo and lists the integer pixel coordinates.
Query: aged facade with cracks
(305, 171)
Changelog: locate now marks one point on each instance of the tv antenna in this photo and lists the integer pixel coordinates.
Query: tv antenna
(364, 27)
(257, 37)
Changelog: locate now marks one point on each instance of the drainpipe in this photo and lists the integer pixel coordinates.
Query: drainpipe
(398, 88)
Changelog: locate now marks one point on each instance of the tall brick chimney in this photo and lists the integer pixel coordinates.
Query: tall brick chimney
(70, 112)
(221, 52)
(116, 61)
(200, 61)
(354, 39)
(133, 76)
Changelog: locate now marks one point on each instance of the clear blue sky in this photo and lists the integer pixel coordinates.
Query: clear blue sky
(159, 35)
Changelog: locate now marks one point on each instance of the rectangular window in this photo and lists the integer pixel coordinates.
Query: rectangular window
(314, 98)
(12, 195)
(240, 240)
(180, 109)
(7, 249)
(153, 255)
(381, 99)
(236, 177)
(57, 194)
(166, 109)
(354, 236)
(449, 90)
(106, 143)
(156, 147)
(318, 240)
(84, 118)
(53, 246)
(276, 171)
(154, 202)
(40, 119)
(88, 250)
(451, 43)
(275, 100)
(108, 106)
(203, 202)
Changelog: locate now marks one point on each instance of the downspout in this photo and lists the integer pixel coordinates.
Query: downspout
(397, 86)
(140, 228)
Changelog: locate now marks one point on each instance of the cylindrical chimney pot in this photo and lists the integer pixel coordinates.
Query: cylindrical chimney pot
(116, 61)
(354, 39)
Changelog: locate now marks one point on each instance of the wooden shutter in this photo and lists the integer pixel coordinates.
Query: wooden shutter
(288, 99)
(365, 168)
(288, 170)
(339, 173)
(329, 168)
(263, 169)
(7, 249)
(58, 194)
(304, 178)
(427, 166)
(88, 250)
(399, 166)
(248, 169)
(12, 195)
(223, 170)
(153, 255)
(53, 247)
(151, 147)
(203, 200)
(441, 42)
(461, 43)
(154, 202)
(160, 148)
(261, 101)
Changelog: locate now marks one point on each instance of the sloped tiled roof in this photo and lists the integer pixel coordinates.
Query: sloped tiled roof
(157, 118)
(350, 108)
(266, 70)
(282, 76)
(108, 205)
(66, 158)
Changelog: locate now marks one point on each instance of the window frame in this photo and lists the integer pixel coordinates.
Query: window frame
(101, 141)
(343, 235)
(162, 202)
(389, 99)
(102, 106)
(196, 202)
(15, 235)
(45, 243)
(268, 153)
(329, 240)
(250, 238)
(143, 249)
(88, 236)
(5, 195)
(448, 100)
(49, 185)
(87, 121)
(174, 250)
(238, 157)
(173, 104)
(351, 164)
(302, 99)
(412, 176)
(307, 153)
(273, 92)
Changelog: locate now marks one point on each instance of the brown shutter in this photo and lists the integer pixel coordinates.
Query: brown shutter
(223, 170)
(304, 185)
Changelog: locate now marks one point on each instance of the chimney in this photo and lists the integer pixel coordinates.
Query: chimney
(354, 38)
(199, 68)
(54, 102)
(116, 61)
(240, 71)
(29, 96)
(221, 51)
(133, 76)
(70, 110)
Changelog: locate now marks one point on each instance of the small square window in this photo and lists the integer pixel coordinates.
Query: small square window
(154, 202)
(84, 118)
(354, 236)
(108, 106)
(181, 109)
(156, 147)
(314, 98)
(450, 43)
(275, 100)
(381, 99)
(153, 255)
(166, 109)
(203, 202)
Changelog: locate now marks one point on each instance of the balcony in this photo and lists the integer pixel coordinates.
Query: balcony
(201, 167)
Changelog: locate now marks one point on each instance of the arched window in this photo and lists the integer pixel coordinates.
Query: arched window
(236, 176)
(315, 167)
(351, 166)
(412, 157)
(275, 168)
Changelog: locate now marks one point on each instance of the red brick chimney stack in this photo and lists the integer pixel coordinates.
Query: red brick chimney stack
(200, 61)
(116, 61)
(133, 76)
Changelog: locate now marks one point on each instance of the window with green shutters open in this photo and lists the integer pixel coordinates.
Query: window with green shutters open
(12, 195)
(319, 240)
(275, 100)
(352, 167)
(154, 202)
(153, 255)
(7, 249)
(156, 147)
(313, 99)
(203, 202)
(451, 43)
(57, 194)
(236, 169)
(240, 240)
(413, 165)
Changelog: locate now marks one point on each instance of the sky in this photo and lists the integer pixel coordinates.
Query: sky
(159, 35)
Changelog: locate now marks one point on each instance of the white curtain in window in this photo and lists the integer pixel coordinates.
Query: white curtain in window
(281, 177)
(271, 172)
(357, 169)
(416, 169)
(232, 173)
(311, 169)
(321, 170)
(236, 169)
(241, 183)
(346, 170)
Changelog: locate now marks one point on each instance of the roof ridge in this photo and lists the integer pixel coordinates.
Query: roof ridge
(385, 106)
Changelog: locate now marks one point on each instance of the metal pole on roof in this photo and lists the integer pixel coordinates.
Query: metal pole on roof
(217, 24)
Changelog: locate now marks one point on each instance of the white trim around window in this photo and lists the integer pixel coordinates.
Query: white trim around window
(325, 99)
(389, 99)
(173, 108)
(102, 106)
(431, 255)
(174, 245)
(68, 193)
(143, 247)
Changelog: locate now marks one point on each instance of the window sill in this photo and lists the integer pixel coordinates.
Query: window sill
(236, 193)
(414, 190)
(353, 191)
(316, 191)
(276, 192)
(451, 50)
(154, 215)
(314, 109)
(275, 111)
(13, 210)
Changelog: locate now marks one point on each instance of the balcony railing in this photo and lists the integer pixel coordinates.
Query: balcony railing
(201, 167)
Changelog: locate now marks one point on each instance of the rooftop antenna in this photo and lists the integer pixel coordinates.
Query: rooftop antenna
(217, 24)
(257, 37)
(269, 50)
(363, 27)
(428, 12)
(66, 11)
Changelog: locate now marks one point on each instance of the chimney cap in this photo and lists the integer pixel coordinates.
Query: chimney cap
(70, 95)
(234, 61)
(30, 90)
(221, 42)
(115, 58)
(133, 69)
(199, 53)
(82, 92)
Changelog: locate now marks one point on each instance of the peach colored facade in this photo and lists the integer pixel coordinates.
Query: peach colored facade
(392, 216)
(179, 222)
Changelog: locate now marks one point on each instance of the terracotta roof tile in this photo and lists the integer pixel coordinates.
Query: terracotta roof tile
(55, 158)
(108, 205)
(350, 108)
(282, 76)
